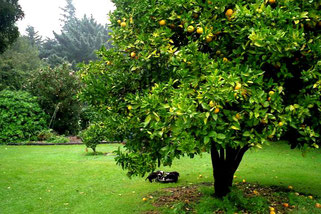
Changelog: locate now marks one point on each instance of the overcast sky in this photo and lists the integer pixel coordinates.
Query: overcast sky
(44, 15)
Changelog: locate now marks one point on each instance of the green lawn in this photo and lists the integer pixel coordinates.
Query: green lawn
(63, 179)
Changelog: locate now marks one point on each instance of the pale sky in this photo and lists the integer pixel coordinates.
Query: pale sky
(44, 15)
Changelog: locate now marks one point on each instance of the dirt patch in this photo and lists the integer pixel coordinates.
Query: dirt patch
(188, 195)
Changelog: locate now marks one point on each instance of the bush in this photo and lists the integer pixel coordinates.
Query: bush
(57, 90)
(92, 136)
(20, 117)
(50, 136)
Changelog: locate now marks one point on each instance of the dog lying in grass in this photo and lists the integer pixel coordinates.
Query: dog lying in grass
(163, 177)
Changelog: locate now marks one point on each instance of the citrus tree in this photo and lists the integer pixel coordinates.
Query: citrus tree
(223, 76)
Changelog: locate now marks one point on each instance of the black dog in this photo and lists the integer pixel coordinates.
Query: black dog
(163, 177)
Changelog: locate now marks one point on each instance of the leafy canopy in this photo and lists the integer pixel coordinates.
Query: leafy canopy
(184, 75)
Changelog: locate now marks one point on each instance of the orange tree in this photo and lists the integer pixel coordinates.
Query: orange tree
(222, 76)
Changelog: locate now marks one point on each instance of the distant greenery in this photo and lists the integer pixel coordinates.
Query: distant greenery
(10, 13)
(20, 117)
(77, 41)
(93, 135)
(17, 63)
(56, 89)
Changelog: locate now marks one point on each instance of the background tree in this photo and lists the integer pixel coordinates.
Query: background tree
(191, 76)
(10, 13)
(77, 41)
(34, 38)
(17, 63)
(56, 89)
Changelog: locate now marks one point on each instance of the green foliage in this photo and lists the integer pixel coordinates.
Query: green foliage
(50, 136)
(21, 117)
(17, 63)
(56, 89)
(248, 78)
(10, 13)
(93, 135)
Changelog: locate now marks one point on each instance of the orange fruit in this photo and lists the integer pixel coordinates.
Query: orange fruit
(217, 110)
(209, 38)
(285, 205)
(162, 22)
(272, 209)
(229, 12)
(132, 54)
(123, 24)
(269, 99)
(144, 199)
(130, 107)
(238, 116)
(108, 62)
(212, 104)
(118, 21)
(199, 30)
(310, 196)
(238, 86)
(271, 93)
(272, 1)
(280, 124)
(190, 29)
(225, 59)
(317, 205)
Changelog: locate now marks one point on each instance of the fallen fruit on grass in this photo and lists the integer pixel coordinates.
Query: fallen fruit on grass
(244, 181)
(285, 205)
(238, 86)
(144, 199)
(132, 54)
(200, 176)
(317, 205)
(162, 22)
(229, 13)
(271, 208)
(290, 187)
(310, 196)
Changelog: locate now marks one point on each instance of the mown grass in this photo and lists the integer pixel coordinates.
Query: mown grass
(64, 179)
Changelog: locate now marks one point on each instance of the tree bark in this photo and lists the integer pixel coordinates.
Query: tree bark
(225, 162)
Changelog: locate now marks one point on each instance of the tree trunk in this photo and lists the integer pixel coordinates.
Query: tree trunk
(225, 162)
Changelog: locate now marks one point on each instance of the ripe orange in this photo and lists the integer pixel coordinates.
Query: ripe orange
(209, 38)
(229, 13)
(190, 29)
(285, 205)
(132, 54)
(272, 209)
(225, 59)
(269, 99)
(162, 22)
(238, 86)
(199, 30)
(272, 1)
(217, 110)
(310, 196)
(272, 212)
(123, 24)
(144, 199)
(317, 205)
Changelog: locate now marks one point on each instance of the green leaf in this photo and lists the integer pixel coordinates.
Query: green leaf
(147, 120)
(221, 136)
